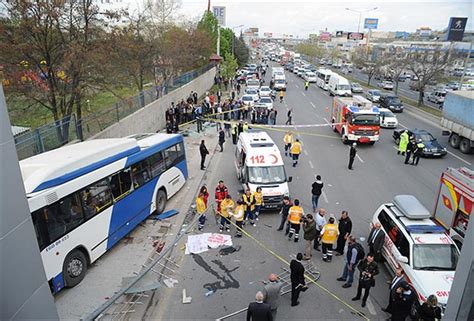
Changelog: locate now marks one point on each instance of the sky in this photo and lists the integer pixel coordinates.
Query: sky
(300, 18)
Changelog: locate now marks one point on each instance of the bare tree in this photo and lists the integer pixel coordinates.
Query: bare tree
(427, 66)
(162, 12)
(371, 64)
(396, 65)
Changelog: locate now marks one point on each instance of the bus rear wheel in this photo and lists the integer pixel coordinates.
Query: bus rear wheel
(160, 201)
(74, 268)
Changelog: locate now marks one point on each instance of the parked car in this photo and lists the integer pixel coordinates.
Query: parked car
(437, 96)
(387, 85)
(387, 118)
(453, 85)
(391, 102)
(432, 147)
(420, 247)
(373, 95)
(356, 88)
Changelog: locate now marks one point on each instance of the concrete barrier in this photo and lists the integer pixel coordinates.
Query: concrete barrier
(151, 118)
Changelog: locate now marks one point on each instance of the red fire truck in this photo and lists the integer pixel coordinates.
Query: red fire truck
(355, 119)
(454, 204)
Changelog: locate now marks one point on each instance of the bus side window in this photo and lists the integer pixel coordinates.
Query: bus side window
(157, 164)
(41, 230)
(171, 156)
(63, 216)
(140, 173)
(121, 183)
(96, 197)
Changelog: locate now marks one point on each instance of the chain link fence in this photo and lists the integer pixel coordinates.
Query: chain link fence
(59, 133)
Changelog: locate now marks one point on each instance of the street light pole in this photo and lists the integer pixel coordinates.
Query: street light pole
(233, 37)
(360, 12)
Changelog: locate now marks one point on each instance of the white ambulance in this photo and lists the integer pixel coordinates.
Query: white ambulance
(259, 164)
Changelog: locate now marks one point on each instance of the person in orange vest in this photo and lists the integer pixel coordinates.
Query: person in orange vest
(295, 151)
(249, 202)
(329, 235)
(258, 197)
(238, 214)
(295, 214)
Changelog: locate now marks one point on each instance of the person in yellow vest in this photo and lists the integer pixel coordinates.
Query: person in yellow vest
(245, 127)
(239, 217)
(258, 197)
(296, 151)
(201, 210)
(288, 140)
(295, 214)
(227, 208)
(282, 94)
(249, 202)
(329, 235)
(234, 133)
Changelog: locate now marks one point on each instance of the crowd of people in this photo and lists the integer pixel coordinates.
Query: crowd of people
(321, 234)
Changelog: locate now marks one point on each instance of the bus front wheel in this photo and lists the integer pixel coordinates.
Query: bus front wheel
(160, 201)
(74, 268)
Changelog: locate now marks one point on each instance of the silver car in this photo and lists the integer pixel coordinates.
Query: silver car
(373, 95)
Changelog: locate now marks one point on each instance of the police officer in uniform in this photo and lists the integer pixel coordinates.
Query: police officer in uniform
(418, 151)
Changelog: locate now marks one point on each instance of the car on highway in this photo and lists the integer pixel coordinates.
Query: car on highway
(253, 83)
(373, 95)
(420, 247)
(310, 76)
(301, 72)
(432, 147)
(248, 100)
(252, 92)
(391, 102)
(289, 65)
(295, 69)
(356, 88)
(387, 118)
(279, 84)
(453, 85)
(265, 91)
(266, 101)
(387, 85)
(437, 96)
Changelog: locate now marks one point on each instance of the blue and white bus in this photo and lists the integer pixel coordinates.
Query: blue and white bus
(85, 197)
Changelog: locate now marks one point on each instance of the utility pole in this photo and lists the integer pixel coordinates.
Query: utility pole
(208, 5)
(465, 65)
(218, 40)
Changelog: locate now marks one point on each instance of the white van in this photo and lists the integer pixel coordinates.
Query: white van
(339, 86)
(259, 164)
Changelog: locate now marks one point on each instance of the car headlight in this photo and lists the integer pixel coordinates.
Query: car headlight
(392, 107)
(426, 149)
(444, 149)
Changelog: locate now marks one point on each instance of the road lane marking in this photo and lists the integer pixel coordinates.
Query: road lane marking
(357, 155)
(311, 164)
(313, 105)
(305, 152)
(402, 125)
(326, 121)
(460, 158)
(303, 93)
(296, 86)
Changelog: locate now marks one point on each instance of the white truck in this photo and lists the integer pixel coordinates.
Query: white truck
(458, 120)
(259, 164)
(339, 86)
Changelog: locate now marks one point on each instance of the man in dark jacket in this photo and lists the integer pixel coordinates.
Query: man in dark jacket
(403, 301)
(298, 283)
(204, 152)
(410, 149)
(354, 254)
(375, 241)
(221, 139)
(393, 286)
(259, 311)
(284, 214)
(345, 229)
(309, 228)
(316, 191)
(368, 269)
(352, 155)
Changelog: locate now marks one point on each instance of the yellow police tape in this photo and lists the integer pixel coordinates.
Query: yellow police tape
(269, 127)
(279, 257)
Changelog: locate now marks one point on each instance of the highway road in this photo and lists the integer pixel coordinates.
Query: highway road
(379, 174)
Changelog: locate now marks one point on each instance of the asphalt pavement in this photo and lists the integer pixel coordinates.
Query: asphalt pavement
(379, 174)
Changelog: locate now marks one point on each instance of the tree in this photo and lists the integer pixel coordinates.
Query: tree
(209, 25)
(311, 50)
(370, 63)
(162, 12)
(229, 66)
(397, 64)
(428, 66)
(48, 49)
(241, 51)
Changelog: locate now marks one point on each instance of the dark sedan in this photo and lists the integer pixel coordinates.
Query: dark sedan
(432, 147)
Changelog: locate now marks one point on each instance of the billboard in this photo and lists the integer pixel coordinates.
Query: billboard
(371, 23)
(324, 36)
(456, 29)
(268, 34)
(339, 34)
(219, 13)
(254, 30)
(355, 35)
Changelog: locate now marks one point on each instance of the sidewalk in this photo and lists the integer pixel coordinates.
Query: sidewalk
(125, 260)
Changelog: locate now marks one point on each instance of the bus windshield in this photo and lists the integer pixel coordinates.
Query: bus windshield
(368, 119)
(267, 175)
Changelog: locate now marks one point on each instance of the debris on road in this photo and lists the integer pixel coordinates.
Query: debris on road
(229, 250)
(202, 242)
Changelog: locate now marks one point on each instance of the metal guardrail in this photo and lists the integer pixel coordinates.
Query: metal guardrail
(59, 133)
